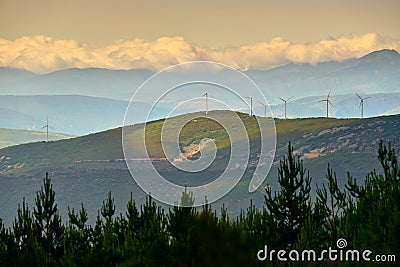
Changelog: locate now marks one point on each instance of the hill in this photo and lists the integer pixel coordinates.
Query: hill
(11, 137)
(85, 168)
(68, 114)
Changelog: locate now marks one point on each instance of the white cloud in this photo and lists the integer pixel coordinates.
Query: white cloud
(43, 54)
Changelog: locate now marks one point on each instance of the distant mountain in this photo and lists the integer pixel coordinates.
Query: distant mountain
(11, 137)
(84, 169)
(76, 115)
(14, 119)
(80, 115)
(70, 114)
(114, 84)
(377, 72)
(82, 101)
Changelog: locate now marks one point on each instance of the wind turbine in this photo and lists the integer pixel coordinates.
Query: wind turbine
(362, 104)
(251, 105)
(47, 129)
(265, 108)
(206, 95)
(285, 101)
(327, 103)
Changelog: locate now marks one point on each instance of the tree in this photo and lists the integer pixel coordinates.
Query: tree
(7, 246)
(290, 205)
(25, 249)
(108, 210)
(182, 227)
(330, 205)
(23, 226)
(48, 227)
(374, 221)
(77, 236)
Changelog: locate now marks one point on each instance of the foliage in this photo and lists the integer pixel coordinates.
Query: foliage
(367, 215)
(289, 205)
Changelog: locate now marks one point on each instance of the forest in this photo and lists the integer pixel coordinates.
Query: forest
(365, 214)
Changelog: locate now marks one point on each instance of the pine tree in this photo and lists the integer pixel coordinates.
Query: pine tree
(109, 242)
(289, 205)
(77, 236)
(330, 204)
(108, 210)
(48, 226)
(181, 227)
(373, 223)
(23, 226)
(152, 235)
(7, 246)
(25, 249)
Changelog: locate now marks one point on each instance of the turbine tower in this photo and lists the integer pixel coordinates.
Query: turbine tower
(251, 105)
(285, 101)
(327, 103)
(206, 95)
(47, 129)
(362, 104)
(265, 108)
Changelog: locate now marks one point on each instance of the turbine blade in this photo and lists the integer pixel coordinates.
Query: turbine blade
(329, 93)
(330, 102)
(262, 103)
(282, 99)
(290, 98)
(358, 96)
(367, 97)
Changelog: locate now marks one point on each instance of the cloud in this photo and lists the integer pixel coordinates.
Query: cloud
(42, 54)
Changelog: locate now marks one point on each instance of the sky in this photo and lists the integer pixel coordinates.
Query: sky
(47, 35)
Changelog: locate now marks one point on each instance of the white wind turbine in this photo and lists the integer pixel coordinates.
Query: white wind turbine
(251, 105)
(362, 104)
(47, 129)
(265, 108)
(206, 95)
(285, 101)
(327, 103)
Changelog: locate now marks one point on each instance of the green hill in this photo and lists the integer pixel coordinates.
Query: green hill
(84, 169)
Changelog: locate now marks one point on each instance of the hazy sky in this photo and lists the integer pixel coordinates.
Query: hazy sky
(45, 35)
(213, 23)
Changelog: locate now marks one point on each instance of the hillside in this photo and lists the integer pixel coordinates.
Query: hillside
(68, 114)
(85, 168)
(11, 137)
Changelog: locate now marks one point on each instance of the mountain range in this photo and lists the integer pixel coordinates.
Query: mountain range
(83, 101)
(377, 72)
(80, 115)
